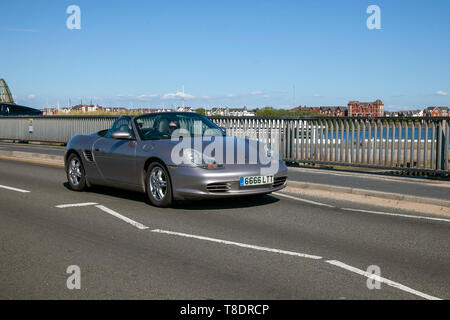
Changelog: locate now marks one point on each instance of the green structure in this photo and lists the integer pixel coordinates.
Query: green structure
(5, 94)
(9, 108)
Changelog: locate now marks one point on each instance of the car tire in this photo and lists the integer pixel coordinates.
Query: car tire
(159, 185)
(76, 176)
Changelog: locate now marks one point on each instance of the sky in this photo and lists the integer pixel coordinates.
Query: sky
(226, 53)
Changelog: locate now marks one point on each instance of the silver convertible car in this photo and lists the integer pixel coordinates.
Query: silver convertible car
(173, 156)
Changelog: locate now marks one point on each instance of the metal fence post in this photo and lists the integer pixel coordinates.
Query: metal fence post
(447, 145)
(442, 146)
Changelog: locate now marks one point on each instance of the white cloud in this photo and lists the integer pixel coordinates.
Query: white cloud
(142, 97)
(231, 95)
(316, 95)
(256, 93)
(177, 95)
(147, 96)
(31, 96)
(441, 93)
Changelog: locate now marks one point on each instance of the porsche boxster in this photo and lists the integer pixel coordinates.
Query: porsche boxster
(173, 156)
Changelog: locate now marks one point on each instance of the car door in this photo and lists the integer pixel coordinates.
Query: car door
(116, 159)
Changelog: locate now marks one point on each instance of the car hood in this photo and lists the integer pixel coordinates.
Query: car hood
(242, 149)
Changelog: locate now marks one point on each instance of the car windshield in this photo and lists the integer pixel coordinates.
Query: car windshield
(164, 126)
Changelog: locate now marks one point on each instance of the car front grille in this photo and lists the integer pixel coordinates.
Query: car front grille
(279, 182)
(88, 155)
(218, 187)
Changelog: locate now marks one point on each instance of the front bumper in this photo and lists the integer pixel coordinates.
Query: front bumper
(198, 183)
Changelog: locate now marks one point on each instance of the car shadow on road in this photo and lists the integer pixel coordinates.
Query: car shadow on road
(226, 203)
(115, 192)
(197, 205)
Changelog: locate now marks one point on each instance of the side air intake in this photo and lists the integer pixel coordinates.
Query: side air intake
(88, 155)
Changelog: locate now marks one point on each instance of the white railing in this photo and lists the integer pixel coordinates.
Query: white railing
(418, 144)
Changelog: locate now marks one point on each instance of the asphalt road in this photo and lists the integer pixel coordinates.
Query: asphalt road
(407, 185)
(272, 247)
(420, 187)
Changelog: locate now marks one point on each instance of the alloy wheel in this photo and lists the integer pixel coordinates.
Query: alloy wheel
(75, 174)
(158, 183)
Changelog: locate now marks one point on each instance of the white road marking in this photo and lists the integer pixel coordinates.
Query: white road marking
(117, 215)
(237, 244)
(304, 200)
(397, 215)
(14, 189)
(361, 210)
(381, 279)
(62, 206)
(272, 250)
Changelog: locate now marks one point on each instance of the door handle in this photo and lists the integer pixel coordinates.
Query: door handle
(97, 149)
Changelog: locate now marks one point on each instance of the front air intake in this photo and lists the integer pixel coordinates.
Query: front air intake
(218, 187)
(279, 182)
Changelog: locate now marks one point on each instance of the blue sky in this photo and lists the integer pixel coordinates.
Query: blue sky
(227, 53)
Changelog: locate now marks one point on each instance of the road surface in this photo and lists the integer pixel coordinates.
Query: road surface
(273, 247)
(386, 183)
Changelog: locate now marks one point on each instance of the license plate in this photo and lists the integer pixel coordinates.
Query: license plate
(256, 181)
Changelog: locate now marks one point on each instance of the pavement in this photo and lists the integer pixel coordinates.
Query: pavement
(280, 246)
(413, 186)
(33, 148)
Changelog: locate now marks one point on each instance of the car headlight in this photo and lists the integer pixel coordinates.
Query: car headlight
(270, 152)
(199, 159)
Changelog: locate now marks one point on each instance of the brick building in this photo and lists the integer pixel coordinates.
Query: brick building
(334, 111)
(305, 108)
(366, 109)
(436, 112)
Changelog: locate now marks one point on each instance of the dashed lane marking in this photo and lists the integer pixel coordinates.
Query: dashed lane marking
(264, 249)
(361, 210)
(381, 279)
(14, 189)
(397, 215)
(238, 244)
(63, 206)
(121, 217)
(304, 200)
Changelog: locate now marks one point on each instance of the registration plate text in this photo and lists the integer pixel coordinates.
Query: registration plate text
(256, 181)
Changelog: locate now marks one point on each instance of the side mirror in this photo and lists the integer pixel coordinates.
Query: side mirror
(122, 135)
